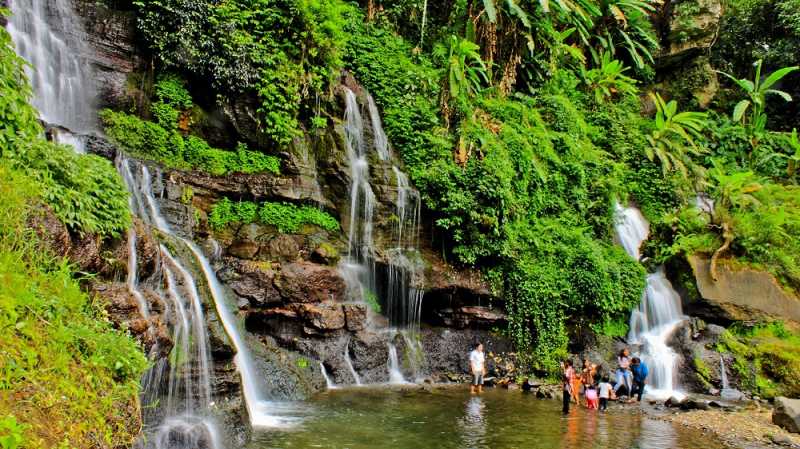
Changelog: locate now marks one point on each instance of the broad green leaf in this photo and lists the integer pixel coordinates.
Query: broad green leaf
(739, 110)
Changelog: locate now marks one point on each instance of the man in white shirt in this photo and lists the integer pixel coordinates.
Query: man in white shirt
(477, 367)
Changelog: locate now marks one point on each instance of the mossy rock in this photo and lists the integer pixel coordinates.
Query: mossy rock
(326, 253)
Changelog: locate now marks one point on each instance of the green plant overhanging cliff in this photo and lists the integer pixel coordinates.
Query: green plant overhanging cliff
(67, 379)
(283, 52)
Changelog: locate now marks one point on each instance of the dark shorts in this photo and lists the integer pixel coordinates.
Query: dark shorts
(477, 379)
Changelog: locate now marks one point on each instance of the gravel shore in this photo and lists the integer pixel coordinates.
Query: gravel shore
(749, 428)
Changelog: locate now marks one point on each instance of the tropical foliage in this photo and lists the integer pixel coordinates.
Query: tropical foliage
(60, 353)
(757, 91)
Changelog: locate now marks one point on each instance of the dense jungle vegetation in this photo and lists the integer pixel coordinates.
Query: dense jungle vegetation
(522, 123)
(66, 376)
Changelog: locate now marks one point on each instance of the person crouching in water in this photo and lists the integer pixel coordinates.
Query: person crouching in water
(640, 372)
(605, 393)
(567, 382)
(477, 366)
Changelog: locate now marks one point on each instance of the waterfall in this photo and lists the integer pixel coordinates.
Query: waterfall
(349, 364)
(381, 141)
(659, 312)
(395, 375)
(329, 384)
(65, 137)
(144, 201)
(132, 281)
(404, 303)
(177, 391)
(48, 34)
(722, 374)
(403, 267)
(358, 267)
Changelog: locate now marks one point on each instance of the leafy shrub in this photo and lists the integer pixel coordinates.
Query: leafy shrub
(60, 353)
(283, 51)
(166, 116)
(171, 90)
(287, 218)
(152, 141)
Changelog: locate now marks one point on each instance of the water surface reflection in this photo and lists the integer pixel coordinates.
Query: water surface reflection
(367, 418)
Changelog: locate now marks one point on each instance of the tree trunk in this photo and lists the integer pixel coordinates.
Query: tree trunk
(727, 234)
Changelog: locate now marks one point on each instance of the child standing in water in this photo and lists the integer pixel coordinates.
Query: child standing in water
(591, 396)
(605, 392)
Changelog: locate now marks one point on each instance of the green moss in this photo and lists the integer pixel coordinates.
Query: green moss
(153, 141)
(287, 218)
(702, 370)
(372, 301)
(766, 358)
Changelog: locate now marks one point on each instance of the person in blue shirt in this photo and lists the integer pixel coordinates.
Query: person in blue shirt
(640, 372)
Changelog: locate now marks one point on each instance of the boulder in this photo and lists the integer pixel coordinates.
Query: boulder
(674, 402)
(355, 316)
(693, 26)
(478, 317)
(787, 414)
(326, 316)
(740, 294)
(250, 280)
(305, 282)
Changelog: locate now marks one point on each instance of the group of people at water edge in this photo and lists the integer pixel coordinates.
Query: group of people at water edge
(591, 382)
(630, 380)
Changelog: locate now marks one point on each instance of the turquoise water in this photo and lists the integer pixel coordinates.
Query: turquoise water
(372, 418)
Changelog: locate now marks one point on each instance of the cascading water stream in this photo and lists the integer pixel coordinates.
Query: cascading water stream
(395, 374)
(659, 313)
(358, 267)
(48, 34)
(403, 302)
(329, 384)
(257, 406)
(349, 363)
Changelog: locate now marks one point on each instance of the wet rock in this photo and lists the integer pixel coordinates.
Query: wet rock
(369, 352)
(326, 254)
(111, 34)
(243, 249)
(478, 317)
(787, 414)
(355, 316)
(305, 282)
(123, 310)
(327, 316)
(673, 402)
(251, 280)
(447, 350)
(284, 247)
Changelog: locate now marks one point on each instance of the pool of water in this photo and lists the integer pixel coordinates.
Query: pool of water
(372, 418)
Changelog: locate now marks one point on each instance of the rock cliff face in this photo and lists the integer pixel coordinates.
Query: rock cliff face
(741, 295)
(689, 29)
(288, 288)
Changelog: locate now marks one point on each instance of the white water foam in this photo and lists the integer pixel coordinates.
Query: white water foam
(659, 313)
